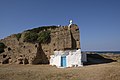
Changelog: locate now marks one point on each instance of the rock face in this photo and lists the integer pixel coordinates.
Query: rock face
(20, 52)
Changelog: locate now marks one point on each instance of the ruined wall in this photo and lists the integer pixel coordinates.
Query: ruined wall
(20, 52)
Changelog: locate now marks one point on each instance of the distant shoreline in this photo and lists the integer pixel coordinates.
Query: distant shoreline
(102, 52)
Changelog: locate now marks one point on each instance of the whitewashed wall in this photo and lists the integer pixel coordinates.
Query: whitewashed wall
(74, 58)
(55, 60)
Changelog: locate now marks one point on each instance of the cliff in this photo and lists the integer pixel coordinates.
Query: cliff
(35, 46)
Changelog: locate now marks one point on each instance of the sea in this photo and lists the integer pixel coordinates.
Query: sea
(103, 52)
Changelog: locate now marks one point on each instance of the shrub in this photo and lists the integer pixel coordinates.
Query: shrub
(43, 37)
(1, 50)
(39, 29)
(18, 36)
(30, 37)
(40, 34)
(2, 46)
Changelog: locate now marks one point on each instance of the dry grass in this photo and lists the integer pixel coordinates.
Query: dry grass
(110, 71)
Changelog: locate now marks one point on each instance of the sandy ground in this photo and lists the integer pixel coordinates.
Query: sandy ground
(109, 71)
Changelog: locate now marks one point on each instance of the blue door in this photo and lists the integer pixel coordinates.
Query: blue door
(63, 61)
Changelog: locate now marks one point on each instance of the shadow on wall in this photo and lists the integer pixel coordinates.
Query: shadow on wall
(97, 59)
(74, 45)
(40, 58)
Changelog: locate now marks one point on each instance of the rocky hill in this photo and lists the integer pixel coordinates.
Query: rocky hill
(35, 46)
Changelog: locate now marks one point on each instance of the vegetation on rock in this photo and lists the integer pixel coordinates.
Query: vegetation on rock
(43, 37)
(18, 36)
(37, 30)
(40, 34)
(2, 46)
(30, 37)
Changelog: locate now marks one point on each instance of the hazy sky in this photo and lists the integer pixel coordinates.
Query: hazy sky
(99, 20)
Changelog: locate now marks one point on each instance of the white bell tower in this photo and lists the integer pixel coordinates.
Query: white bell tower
(70, 23)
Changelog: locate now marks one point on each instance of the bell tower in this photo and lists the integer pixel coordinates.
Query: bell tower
(70, 23)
